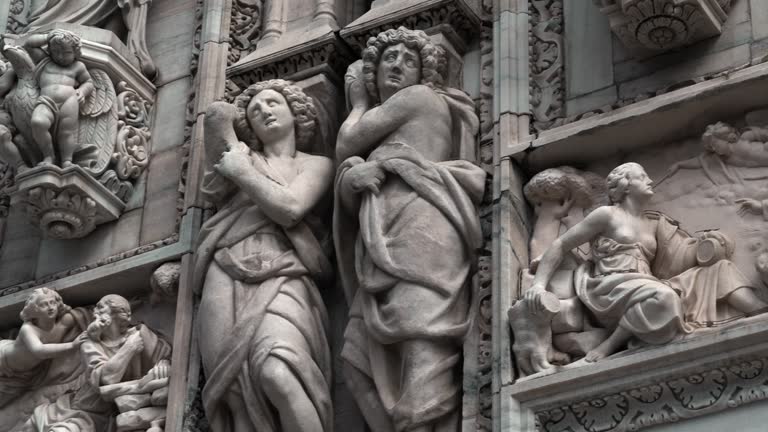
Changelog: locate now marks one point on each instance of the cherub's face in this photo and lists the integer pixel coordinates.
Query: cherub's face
(63, 55)
(399, 67)
(47, 306)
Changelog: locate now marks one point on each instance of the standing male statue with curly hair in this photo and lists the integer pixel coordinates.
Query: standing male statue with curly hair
(406, 228)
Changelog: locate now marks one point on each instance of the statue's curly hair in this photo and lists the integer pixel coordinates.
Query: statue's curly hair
(720, 133)
(433, 62)
(59, 38)
(618, 181)
(30, 305)
(302, 107)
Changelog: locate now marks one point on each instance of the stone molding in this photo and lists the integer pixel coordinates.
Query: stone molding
(326, 55)
(681, 397)
(649, 27)
(730, 369)
(456, 19)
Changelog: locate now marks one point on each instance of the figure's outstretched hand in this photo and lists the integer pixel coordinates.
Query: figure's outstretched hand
(749, 206)
(366, 176)
(80, 339)
(80, 97)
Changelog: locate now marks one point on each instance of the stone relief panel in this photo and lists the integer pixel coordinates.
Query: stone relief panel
(83, 369)
(74, 140)
(264, 349)
(409, 197)
(642, 279)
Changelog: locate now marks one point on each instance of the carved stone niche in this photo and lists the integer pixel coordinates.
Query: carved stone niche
(647, 27)
(68, 186)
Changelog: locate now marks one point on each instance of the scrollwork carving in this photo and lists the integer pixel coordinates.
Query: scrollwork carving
(245, 28)
(683, 397)
(547, 86)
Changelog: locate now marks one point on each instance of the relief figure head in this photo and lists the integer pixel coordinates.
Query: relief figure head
(399, 58)
(43, 303)
(628, 180)
(111, 311)
(269, 110)
(719, 138)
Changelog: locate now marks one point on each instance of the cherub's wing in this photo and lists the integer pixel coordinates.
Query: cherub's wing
(98, 125)
(103, 96)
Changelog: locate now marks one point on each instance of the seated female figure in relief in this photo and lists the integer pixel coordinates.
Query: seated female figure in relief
(23, 362)
(647, 278)
(263, 324)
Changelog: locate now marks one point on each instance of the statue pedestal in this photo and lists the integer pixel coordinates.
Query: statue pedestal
(65, 203)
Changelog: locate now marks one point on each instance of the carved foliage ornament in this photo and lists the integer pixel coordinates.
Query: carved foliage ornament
(245, 28)
(669, 401)
(650, 26)
(547, 86)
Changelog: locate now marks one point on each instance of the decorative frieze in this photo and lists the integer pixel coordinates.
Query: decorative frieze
(669, 401)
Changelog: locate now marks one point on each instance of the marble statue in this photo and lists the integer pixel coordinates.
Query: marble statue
(56, 104)
(406, 228)
(100, 13)
(263, 325)
(120, 360)
(646, 278)
(64, 85)
(24, 362)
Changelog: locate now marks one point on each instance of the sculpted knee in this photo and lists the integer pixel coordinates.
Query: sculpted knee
(40, 122)
(667, 296)
(276, 377)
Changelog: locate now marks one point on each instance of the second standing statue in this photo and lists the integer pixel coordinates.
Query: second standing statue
(406, 228)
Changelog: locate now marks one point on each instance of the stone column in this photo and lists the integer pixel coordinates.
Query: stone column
(511, 221)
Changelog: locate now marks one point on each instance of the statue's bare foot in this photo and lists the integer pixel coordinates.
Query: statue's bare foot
(46, 162)
(66, 163)
(596, 354)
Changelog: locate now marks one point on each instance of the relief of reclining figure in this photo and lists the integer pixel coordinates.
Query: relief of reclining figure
(646, 279)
